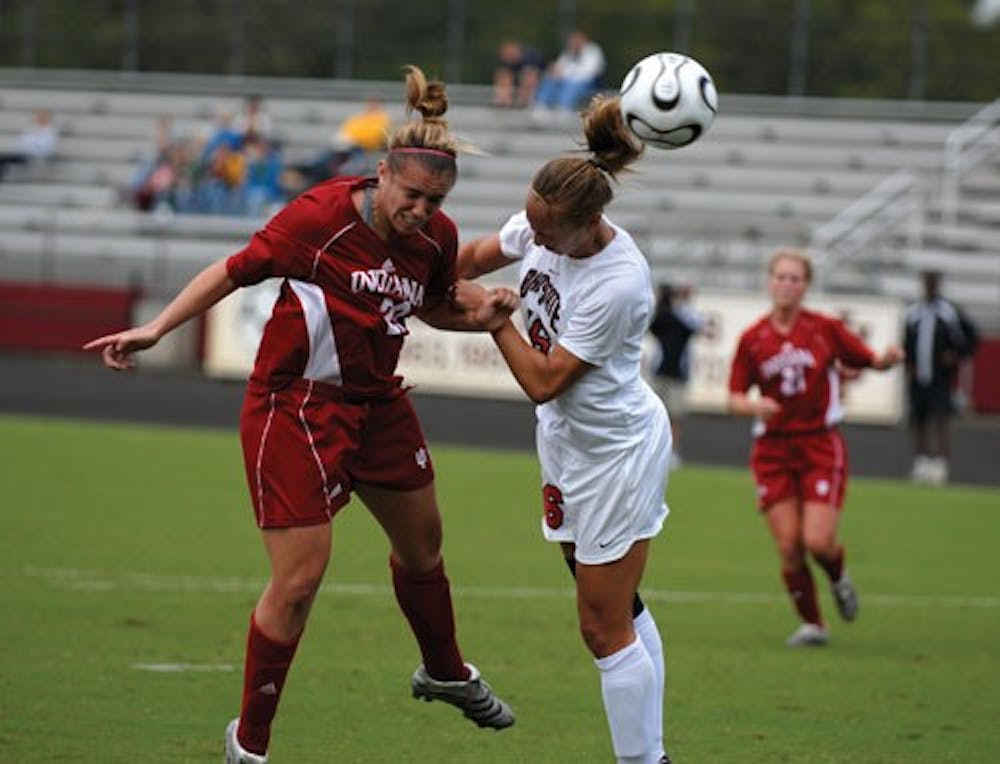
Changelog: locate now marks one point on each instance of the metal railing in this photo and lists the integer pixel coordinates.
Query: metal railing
(967, 146)
(897, 200)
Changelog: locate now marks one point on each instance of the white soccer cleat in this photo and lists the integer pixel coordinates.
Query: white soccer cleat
(808, 635)
(937, 471)
(237, 754)
(473, 696)
(922, 468)
(846, 597)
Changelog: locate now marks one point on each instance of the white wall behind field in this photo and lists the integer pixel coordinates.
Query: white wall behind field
(468, 364)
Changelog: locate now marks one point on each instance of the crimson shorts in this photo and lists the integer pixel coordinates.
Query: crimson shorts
(304, 448)
(810, 467)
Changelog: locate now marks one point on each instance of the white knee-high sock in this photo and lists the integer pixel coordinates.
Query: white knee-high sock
(628, 686)
(645, 627)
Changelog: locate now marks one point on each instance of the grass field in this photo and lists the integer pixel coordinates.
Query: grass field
(127, 549)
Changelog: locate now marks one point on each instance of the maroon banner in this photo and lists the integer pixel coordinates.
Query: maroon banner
(40, 317)
(986, 376)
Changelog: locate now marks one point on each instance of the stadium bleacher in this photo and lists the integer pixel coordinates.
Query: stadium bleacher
(767, 174)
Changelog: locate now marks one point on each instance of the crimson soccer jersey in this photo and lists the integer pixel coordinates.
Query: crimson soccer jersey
(797, 370)
(341, 314)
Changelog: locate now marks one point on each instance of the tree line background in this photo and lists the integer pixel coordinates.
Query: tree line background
(896, 49)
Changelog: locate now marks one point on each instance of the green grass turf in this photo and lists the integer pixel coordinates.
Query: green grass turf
(124, 545)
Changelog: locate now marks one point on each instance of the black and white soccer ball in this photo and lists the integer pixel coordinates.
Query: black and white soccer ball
(668, 100)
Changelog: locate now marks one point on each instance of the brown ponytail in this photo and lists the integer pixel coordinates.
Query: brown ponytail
(426, 140)
(579, 187)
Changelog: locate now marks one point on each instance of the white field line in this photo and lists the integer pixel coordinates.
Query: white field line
(94, 581)
(177, 668)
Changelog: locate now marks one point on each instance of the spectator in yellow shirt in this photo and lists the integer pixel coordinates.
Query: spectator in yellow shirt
(358, 136)
(366, 130)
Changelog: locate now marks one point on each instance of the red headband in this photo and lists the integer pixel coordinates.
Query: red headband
(422, 150)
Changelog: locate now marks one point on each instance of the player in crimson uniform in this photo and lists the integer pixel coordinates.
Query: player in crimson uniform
(799, 461)
(325, 413)
(603, 435)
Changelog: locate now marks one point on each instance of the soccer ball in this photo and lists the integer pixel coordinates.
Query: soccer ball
(668, 100)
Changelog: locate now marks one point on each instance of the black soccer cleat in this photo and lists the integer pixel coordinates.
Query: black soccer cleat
(473, 696)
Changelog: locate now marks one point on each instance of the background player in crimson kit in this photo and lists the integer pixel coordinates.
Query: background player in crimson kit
(603, 435)
(799, 460)
(325, 414)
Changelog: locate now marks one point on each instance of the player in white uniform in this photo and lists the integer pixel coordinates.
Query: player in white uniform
(603, 435)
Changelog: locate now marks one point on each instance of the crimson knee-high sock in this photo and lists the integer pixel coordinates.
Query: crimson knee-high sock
(264, 673)
(425, 600)
(834, 566)
(803, 593)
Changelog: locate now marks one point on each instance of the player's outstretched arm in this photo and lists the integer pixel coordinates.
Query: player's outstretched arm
(481, 256)
(472, 307)
(888, 359)
(200, 294)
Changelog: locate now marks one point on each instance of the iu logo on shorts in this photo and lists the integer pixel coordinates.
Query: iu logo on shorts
(421, 458)
(552, 501)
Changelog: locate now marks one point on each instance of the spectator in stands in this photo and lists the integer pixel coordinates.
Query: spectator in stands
(219, 173)
(674, 324)
(219, 190)
(157, 183)
(366, 130)
(358, 137)
(254, 119)
(570, 80)
(156, 179)
(225, 134)
(36, 143)
(262, 189)
(236, 171)
(938, 337)
(515, 78)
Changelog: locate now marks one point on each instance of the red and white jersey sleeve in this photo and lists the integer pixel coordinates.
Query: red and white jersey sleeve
(340, 316)
(798, 370)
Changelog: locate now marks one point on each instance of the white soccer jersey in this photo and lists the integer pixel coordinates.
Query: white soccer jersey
(598, 308)
(603, 444)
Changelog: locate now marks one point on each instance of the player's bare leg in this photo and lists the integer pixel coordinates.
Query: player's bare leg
(605, 594)
(819, 532)
(784, 519)
(298, 559)
(646, 629)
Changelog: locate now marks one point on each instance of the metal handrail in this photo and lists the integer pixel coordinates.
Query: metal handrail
(967, 146)
(898, 198)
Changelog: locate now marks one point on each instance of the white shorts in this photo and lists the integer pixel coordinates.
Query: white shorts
(604, 504)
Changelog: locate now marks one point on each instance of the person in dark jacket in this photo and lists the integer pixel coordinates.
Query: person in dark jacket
(937, 338)
(674, 324)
